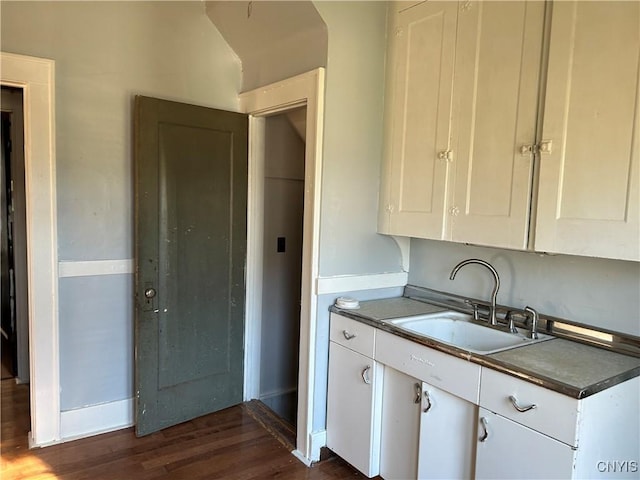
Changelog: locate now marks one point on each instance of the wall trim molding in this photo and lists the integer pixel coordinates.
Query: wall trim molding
(300, 456)
(96, 267)
(317, 440)
(278, 393)
(36, 78)
(353, 283)
(96, 419)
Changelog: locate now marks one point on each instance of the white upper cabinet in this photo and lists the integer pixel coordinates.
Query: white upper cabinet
(493, 115)
(498, 56)
(419, 94)
(462, 100)
(588, 202)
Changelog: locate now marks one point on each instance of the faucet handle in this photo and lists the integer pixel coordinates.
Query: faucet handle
(510, 322)
(474, 305)
(534, 317)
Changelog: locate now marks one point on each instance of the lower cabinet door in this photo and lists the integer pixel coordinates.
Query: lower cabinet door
(506, 449)
(353, 408)
(447, 435)
(400, 426)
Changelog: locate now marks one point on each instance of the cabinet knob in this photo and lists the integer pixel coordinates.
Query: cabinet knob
(527, 149)
(546, 146)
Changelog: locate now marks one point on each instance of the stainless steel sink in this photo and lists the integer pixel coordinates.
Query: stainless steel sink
(458, 329)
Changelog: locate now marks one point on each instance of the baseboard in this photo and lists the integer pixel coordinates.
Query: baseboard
(300, 456)
(96, 419)
(353, 283)
(277, 393)
(317, 440)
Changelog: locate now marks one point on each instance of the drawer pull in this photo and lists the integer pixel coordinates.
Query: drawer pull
(418, 388)
(348, 335)
(514, 402)
(485, 429)
(365, 375)
(427, 399)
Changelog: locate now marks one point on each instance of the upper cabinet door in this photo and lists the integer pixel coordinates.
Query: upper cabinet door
(419, 118)
(588, 202)
(497, 74)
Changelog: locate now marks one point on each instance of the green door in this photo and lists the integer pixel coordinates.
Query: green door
(191, 210)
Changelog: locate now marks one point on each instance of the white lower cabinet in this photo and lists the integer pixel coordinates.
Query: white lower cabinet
(447, 435)
(354, 399)
(509, 450)
(427, 433)
(404, 411)
(527, 431)
(400, 425)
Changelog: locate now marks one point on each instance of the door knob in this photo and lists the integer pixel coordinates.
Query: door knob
(150, 292)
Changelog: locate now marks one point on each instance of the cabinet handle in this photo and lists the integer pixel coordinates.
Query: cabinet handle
(485, 433)
(348, 335)
(445, 155)
(514, 402)
(427, 399)
(365, 375)
(545, 146)
(418, 388)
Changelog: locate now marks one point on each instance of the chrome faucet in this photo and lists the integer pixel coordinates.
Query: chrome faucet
(492, 313)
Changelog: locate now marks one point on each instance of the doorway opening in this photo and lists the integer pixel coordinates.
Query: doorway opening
(304, 92)
(15, 307)
(284, 164)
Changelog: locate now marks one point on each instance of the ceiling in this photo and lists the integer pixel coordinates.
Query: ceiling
(273, 39)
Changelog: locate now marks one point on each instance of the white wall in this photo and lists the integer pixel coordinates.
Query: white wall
(353, 141)
(349, 244)
(105, 53)
(594, 291)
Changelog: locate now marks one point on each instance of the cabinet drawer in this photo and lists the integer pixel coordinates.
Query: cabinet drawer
(451, 374)
(353, 334)
(555, 415)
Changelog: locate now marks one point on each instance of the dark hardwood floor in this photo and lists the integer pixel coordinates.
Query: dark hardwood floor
(227, 444)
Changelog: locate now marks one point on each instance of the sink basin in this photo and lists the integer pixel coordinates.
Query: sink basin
(458, 329)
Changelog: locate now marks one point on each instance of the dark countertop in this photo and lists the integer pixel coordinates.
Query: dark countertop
(571, 368)
(389, 308)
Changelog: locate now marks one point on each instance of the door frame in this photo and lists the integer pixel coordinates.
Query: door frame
(307, 90)
(35, 76)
